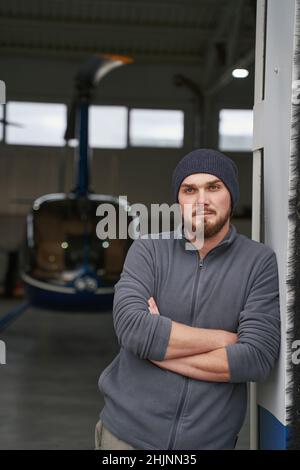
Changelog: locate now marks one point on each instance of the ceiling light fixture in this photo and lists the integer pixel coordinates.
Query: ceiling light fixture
(240, 73)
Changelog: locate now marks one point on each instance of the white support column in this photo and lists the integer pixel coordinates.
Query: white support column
(272, 136)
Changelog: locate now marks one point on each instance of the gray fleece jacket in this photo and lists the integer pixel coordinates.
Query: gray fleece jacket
(234, 288)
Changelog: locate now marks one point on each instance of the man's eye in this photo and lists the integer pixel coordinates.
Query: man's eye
(214, 186)
(188, 190)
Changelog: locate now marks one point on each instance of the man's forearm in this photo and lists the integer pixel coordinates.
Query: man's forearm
(211, 366)
(188, 341)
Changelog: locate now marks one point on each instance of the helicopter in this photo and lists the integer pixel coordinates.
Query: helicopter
(65, 265)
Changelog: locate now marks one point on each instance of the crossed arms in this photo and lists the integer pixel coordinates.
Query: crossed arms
(198, 353)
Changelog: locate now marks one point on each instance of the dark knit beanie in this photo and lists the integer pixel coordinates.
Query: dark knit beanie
(208, 161)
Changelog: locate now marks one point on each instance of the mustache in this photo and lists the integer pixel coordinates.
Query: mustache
(201, 212)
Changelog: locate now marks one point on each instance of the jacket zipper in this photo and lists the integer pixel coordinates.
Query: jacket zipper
(186, 382)
(183, 395)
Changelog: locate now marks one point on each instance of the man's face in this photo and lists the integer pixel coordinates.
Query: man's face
(208, 192)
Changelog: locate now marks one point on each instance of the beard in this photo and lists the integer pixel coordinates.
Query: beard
(212, 226)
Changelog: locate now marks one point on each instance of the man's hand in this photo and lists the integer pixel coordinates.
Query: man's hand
(152, 306)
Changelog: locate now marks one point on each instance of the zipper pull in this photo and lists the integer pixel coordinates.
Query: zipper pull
(201, 262)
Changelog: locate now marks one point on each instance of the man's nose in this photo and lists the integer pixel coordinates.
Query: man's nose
(201, 196)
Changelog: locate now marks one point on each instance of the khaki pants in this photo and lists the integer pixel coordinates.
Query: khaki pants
(105, 440)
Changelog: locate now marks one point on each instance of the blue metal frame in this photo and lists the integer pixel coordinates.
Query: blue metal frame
(273, 435)
(82, 176)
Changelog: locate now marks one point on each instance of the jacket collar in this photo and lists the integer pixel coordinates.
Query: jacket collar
(229, 238)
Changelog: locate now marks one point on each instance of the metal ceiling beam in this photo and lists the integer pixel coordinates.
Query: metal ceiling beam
(19, 21)
(158, 3)
(228, 35)
(111, 12)
(217, 35)
(153, 4)
(232, 43)
(140, 57)
(226, 77)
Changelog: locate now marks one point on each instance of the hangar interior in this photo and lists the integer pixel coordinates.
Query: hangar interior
(180, 89)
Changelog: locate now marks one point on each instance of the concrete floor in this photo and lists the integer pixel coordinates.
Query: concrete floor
(49, 397)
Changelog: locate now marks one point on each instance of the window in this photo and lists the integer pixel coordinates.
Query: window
(36, 123)
(156, 128)
(108, 126)
(236, 129)
(44, 124)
